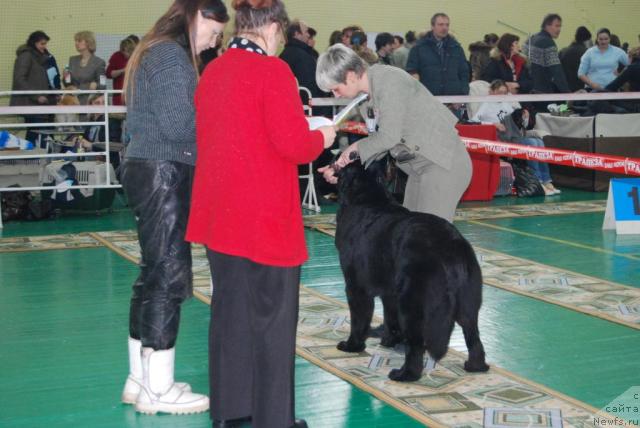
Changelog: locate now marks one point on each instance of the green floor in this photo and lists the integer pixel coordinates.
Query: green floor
(64, 326)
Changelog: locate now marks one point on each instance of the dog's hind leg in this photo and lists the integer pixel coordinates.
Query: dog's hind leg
(392, 334)
(361, 310)
(476, 361)
(411, 316)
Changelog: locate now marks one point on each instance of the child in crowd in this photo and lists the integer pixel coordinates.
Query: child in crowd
(511, 123)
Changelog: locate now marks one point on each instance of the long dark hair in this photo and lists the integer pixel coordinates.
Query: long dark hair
(179, 20)
(35, 37)
(505, 42)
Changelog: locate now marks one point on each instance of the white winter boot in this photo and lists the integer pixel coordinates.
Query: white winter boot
(133, 385)
(159, 393)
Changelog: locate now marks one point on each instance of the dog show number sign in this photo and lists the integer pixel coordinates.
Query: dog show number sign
(623, 206)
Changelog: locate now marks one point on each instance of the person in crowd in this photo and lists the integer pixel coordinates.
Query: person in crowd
(347, 32)
(400, 56)
(412, 126)
(570, 57)
(630, 76)
(599, 64)
(615, 41)
(479, 56)
(542, 52)
(312, 42)
(384, 47)
(398, 42)
(117, 66)
(359, 46)
(298, 55)
(160, 82)
(251, 135)
(31, 72)
(68, 100)
(335, 38)
(490, 39)
(511, 124)
(508, 65)
(93, 133)
(439, 61)
(86, 69)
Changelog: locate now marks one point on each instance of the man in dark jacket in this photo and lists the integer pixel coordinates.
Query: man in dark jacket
(439, 61)
(298, 54)
(546, 69)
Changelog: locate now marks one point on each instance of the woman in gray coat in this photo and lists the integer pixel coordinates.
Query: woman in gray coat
(410, 123)
(30, 74)
(86, 68)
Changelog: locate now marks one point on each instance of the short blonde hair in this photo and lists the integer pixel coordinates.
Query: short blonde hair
(88, 37)
(634, 53)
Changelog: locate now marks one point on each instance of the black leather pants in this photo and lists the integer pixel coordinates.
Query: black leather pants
(159, 193)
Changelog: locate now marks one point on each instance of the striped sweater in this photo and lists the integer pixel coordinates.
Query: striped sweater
(160, 113)
(546, 69)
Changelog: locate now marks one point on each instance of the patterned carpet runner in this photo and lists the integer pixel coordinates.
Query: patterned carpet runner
(444, 396)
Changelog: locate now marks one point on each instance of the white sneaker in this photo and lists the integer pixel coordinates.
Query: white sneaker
(550, 189)
(133, 384)
(159, 393)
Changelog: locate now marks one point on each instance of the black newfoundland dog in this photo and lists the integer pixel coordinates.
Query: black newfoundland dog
(425, 272)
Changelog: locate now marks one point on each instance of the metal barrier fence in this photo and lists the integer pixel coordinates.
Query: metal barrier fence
(108, 109)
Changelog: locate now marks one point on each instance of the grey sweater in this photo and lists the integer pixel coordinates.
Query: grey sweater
(160, 111)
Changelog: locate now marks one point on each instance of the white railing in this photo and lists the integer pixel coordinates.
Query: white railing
(107, 109)
(310, 198)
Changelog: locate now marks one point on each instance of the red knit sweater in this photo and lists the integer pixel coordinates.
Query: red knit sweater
(251, 135)
(117, 62)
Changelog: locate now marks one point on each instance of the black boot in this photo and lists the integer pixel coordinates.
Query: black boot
(232, 423)
(299, 423)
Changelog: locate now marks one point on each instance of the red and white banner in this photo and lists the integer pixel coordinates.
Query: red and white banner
(593, 161)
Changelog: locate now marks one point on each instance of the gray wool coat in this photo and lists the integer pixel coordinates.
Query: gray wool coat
(29, 74)
(409, 118)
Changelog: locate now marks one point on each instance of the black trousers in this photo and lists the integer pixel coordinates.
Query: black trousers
(159, 193)
(252, 337)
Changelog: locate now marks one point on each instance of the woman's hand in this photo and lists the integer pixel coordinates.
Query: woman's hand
(500, 127)
(344, 158)
(93, 86)
(329, 174)
(329, 134)
(43, 100)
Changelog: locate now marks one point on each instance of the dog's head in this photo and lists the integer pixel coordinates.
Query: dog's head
(357, 186)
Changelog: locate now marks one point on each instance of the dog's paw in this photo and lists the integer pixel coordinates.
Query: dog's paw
(390, 341)
(346, 346)
(402, 375)
(475, 366)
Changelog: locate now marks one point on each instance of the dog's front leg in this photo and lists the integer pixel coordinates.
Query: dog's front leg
(391, 335)
(361, 310)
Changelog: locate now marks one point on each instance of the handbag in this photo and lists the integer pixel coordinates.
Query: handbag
(526, 182)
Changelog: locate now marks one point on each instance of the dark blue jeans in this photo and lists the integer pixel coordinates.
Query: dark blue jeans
(541, 169)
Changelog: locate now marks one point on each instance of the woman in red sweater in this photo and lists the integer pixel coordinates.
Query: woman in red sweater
(251, 134)
(117, 66)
